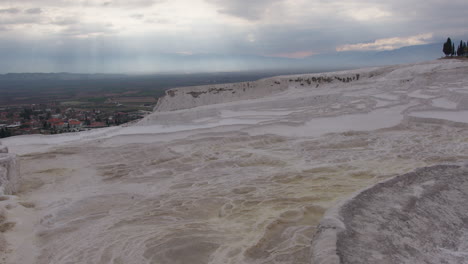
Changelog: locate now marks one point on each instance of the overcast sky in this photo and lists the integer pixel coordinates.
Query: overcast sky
(42, 33)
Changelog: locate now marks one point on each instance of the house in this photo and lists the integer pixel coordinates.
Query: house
(73, 123)
(56, 123)
(15, 124)
(97, 125)
(59, 125)
(54, 120)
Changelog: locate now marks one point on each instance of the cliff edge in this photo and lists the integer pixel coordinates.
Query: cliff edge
(194, 96)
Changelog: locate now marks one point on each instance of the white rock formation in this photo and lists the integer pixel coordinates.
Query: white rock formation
(419, 217)
(214, 176)
(189, 97)
(9, 172)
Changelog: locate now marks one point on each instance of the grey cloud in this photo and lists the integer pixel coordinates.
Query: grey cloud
(85, 3)
(157, 21)
(34, 11)
(131, 4)
(311, 30)
(319, 26)
(21, 20)
(9, 11)
(80, 29)
(14, 16)
(247, 9)
(41, 2)
(412, 17)
(137, 16)
(64, 21)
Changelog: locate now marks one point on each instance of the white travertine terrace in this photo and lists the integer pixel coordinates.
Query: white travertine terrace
(235, 173)
(419, 217)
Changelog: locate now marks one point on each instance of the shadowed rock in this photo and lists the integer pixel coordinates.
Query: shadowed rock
(419, 217)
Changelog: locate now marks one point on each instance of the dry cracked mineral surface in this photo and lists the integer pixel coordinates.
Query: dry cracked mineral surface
(244, 173)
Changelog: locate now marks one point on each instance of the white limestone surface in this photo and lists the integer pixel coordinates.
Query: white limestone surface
(444, 103)
(418, 217)
(455, 116)
(221, 175)
(9, 172)
(3, 149)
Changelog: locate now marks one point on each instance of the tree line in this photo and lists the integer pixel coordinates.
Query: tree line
(5, 132)
(449, 48)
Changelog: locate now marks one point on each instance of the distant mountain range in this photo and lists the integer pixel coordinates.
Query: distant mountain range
(407, 54)
(328, 61)
(65, 76)
(324, 62)
(177, 63)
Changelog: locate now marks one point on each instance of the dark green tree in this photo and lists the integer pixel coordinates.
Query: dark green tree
(460, 49)
(448, 47)
(26, 114)
(453, 49)
(4, 132)
(465, 49)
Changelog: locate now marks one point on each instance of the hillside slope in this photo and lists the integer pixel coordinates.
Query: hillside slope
(239, 173)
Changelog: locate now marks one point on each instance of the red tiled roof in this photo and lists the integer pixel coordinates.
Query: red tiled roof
(55, 120)
(74, 122)
(97, 124)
